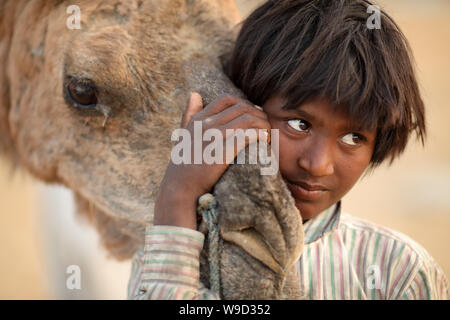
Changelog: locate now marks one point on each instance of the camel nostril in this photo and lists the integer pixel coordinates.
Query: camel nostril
(82, 92)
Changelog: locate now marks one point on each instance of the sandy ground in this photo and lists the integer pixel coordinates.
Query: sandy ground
(411, 196)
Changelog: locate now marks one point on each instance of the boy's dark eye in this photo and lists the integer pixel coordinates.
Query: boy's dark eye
(299, 125)
(82, 93)
(352, 139)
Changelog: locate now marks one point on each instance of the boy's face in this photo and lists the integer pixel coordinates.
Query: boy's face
(322, 153)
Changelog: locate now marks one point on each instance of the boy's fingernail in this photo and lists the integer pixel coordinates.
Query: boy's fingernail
(194, 93)
(191, 96)
(258, 107)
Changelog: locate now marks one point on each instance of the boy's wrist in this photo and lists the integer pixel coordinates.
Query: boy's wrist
(176, 209)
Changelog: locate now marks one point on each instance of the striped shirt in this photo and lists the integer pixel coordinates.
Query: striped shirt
(344, 257)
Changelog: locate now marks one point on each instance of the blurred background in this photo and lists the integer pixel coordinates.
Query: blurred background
(39, 232)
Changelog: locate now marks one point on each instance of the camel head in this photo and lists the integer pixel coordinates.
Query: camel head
(94, 108)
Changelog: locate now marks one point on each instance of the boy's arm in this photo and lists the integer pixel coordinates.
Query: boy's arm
(168, 266)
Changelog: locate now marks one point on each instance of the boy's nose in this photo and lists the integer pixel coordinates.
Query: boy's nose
(316, 158)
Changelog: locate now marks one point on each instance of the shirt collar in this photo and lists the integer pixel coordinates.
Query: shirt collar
(324, 222)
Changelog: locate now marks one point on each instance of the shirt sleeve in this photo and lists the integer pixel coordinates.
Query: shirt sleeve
(168, 266)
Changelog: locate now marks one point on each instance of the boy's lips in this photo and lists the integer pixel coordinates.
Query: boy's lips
(306, 191)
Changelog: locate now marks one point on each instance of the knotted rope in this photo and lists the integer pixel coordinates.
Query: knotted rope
(207, 208)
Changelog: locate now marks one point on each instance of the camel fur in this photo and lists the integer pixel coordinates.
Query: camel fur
(144, 57)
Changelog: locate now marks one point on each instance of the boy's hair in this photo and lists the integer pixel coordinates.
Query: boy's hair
(303, 49)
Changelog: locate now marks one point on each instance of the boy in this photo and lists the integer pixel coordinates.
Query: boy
(344, 98)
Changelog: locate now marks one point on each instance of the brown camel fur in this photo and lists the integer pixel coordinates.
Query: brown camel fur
(143, 58)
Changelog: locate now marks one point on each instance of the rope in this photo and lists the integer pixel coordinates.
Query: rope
(208, 210)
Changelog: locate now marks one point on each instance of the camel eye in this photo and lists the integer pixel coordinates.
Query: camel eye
(82, 92)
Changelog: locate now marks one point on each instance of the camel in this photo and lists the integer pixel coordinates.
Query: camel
(93, 109)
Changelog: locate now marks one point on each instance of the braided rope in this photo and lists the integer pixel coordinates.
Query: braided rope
(208, 210)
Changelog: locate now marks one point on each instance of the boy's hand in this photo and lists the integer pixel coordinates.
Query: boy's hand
(183, 184)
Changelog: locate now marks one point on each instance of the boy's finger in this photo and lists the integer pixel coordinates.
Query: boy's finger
(238, 145)
(221, 103)
(195, 105)
(236, 111)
